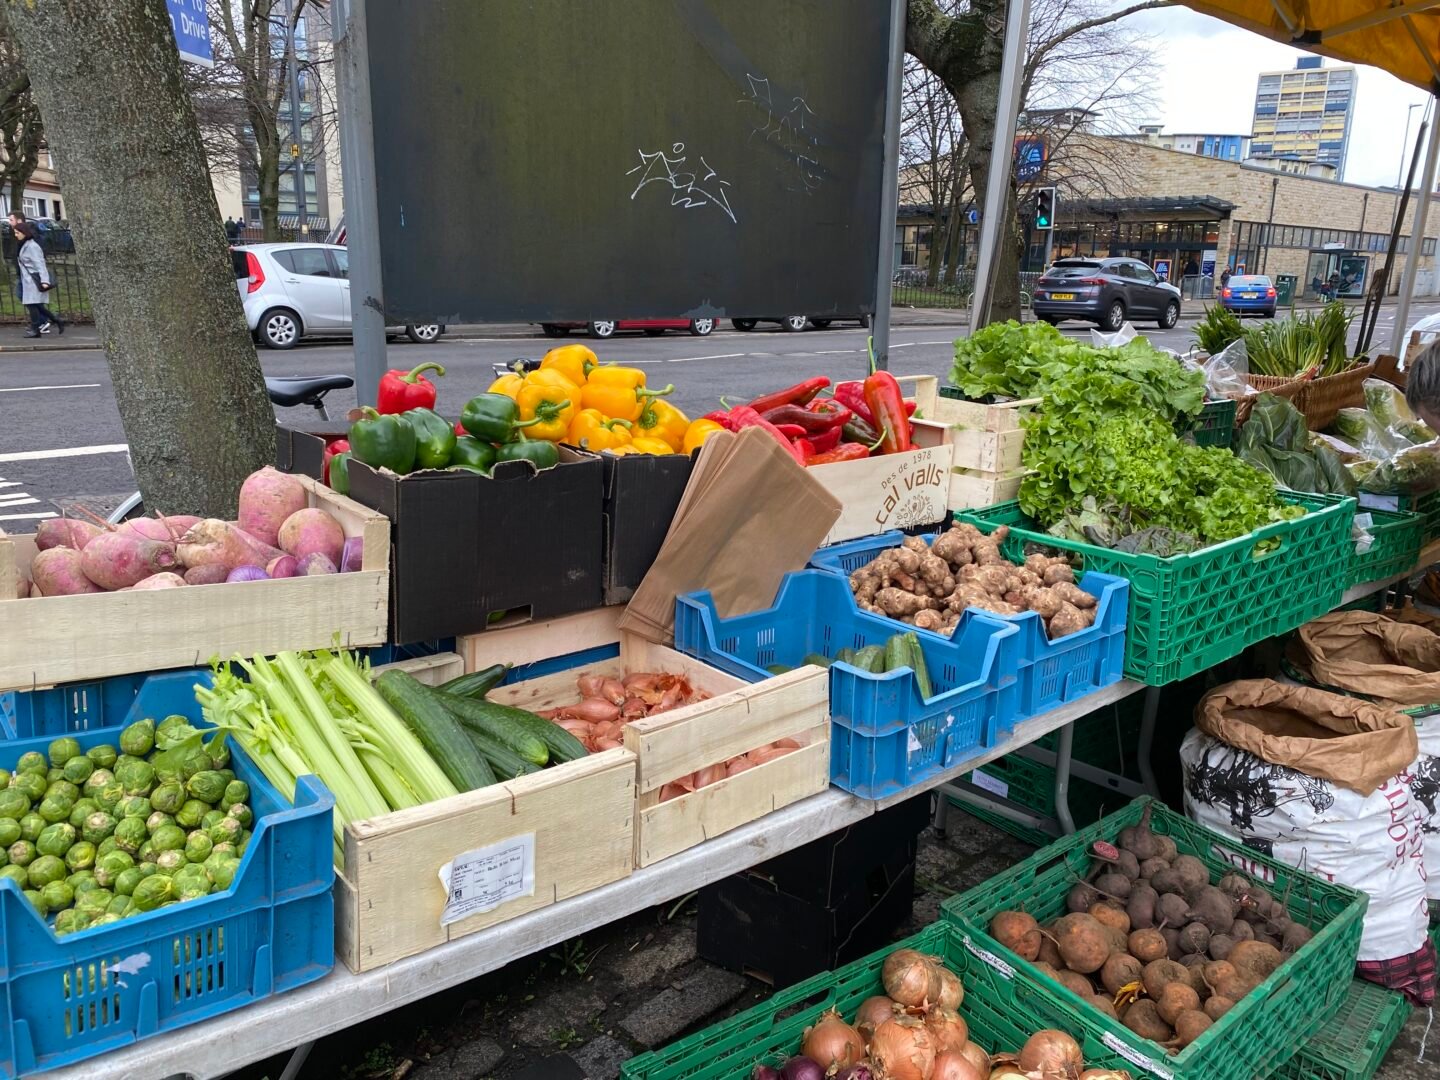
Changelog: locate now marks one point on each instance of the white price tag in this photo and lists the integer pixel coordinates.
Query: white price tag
(911, 742)
(990, 958)
(487, 877)
(1379, 502)
(1139, 1060)
(992, 784)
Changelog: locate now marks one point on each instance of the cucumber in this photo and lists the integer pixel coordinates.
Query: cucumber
(872, 659)
(778, 669)
(922, 669)
(845, 656)
(816, 659)
(506, 763)
(501, 724)
(897, 653)
(437, 730)
(478, 683)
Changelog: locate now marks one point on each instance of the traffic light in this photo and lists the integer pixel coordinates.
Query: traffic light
(1045, 208)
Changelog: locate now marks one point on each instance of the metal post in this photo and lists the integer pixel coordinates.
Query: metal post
(1050, 233)
(1405, 143)
(297, 126)
(362, 207)
(1417, 239)
(889, 187)
(993, 227)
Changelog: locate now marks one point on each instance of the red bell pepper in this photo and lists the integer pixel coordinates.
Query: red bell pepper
(400, 391)
(799, 394)
(849, 451)
(852, 396)
(887, 403)
(336, 446)
(744, 416)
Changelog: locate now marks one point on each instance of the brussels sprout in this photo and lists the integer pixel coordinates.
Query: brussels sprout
(208, 786)
(134, 806)
(93, 899)
(130, 834)
(54, 773)
(170, 861)
(14, 804)
(5, 855)
(55, 808)
(63, 788)
(81, 810)
(22, 853)
(32, 762)
(81, 880)
(78, 769)
(96, 781)
(194, 762)
(147, 852)
(152, 892)
(222, 870)
(168, 796)
(17, 874)
(5, 775)
(103, 756)
(168, 838)
(111, 866)
(31, 785)
(158, 820)
(31, 826)
(37, 901)
(243, 843)
(63, 749)
(106, 846)
(211, 819)
(57, 895)
(126, 880)
(219, 752)
(236, 791)
(191, 872)
(227, 830)
(56, 839)
(198, 847)
(9, 831)
(45, 869)
(224, 847)
(110, 795)
(242, 813)
(119, 906)
(191, 814)
(81, 856)
(65, 922)
(138, 739)
(98, 826)
(107, 918)
(137, 777)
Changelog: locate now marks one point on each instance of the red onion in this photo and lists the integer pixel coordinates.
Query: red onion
(764, 1072)
(802, 1068)
(247, 573)
(352, 554)
(861, 1070)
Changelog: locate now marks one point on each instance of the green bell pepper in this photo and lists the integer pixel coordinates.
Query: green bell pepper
(493, 418)
(471, 451)
(543, 454)
(383, 442)
(340, 473)
(434, 438)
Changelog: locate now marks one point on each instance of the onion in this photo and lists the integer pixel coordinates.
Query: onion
(594, 709)
(247, 573)
(613, 691)
(910, 978)
(1053, 1055)
(589, 686)
(1008, 1072)
(977, 1057)
(954, 1066)
(873, 1012)
(947, 1028)
(1105, 1074)
(764, 1072)
(903, 1049)
(713, 774)
(831, 1042)
(952, 991)
(801, 1068)
(861, 1070)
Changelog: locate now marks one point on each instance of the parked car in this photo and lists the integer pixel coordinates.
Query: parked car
(1106, 292)
(291, 291)
(1249, 294)
(795, 323)
(604, 328)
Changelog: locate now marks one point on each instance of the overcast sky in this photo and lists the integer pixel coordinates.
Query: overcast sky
(1205, 72)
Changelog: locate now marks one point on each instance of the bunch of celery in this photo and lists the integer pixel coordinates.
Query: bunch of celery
(317, 713)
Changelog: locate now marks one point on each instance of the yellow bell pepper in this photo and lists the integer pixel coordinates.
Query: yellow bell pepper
(651, 446)
(573, 361)
(621, 451)
(618, 392)
(508, 384)
(552, 400)
(556, 379)
(593, 430)
(697, 433)
(661, 420)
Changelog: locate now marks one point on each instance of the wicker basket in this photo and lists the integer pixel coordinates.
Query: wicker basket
(1319, 400)
(1266, 384)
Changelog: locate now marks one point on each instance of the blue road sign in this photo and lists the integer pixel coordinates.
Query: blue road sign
(972, 216)
(191, 23)
(1030, 157)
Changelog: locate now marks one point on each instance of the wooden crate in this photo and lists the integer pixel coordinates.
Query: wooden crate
(970, 489)
(892, 491)
(973, 448)
(58, 639)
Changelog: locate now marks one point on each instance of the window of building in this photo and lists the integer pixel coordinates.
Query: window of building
(30, 206)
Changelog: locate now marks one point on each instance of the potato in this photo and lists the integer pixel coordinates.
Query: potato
(1119, 971)
(1190, 1025)
(1255, 960)
(1217, 1006)
(1104, 1004)
(1076, 983)
(1147, 945)
(1018, 932)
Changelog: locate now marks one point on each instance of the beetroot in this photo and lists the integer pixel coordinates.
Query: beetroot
(213, 574)
(117, 560)
(57, 572)
(64, 532)
(312, 530)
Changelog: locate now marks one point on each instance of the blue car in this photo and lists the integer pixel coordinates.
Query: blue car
(1249, 294)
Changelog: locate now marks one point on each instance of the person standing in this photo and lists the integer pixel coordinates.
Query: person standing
(35, 283)
(15, 219)
(232, 230)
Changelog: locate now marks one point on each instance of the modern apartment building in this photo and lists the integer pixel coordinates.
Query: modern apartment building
(1305, 113)
(1225, 147)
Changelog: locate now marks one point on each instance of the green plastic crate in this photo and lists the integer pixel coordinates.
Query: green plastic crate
(1264, 1029)
(1428, 507)
(1002, 1013)
(1214, 426)
(1190, 612)
(1032, 785)
(1351, 1045)
(1396, 548)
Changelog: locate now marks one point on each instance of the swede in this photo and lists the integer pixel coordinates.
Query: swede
(164, 580)
(213, 574)
(64, 532)
(312, 530)
(315, 563)
(282, 566)
(216, 542)
(57, 572)
(268, 498)
(117, 560)
(167, 529)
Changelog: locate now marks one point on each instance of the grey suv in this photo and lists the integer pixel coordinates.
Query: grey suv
(1105, 292)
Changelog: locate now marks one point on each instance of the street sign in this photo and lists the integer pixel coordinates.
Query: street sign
(191, 24)
(1162, 269)
(1030, 157)
(972, 216)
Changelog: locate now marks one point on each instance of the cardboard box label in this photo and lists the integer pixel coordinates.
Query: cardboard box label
(483, 879)
(893, 491)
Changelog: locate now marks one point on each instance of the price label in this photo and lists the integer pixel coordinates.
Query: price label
(990, 958)
(1139, 1060)
(993, 784)
(483, 879)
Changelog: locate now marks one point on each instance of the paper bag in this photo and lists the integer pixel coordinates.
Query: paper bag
(750, 515)
(1361, 652)
(1342, 739)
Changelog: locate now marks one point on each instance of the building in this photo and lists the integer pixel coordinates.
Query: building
(1227, 147)
(1291, 163)
(1305, 113)
(42, 198)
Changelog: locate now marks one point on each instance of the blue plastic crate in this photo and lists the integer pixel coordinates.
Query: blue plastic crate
(1051, 672)
(66, 999)
(884, 736)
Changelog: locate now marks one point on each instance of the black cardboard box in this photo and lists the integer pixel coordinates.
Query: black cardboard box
(642, 492)
(302, 449)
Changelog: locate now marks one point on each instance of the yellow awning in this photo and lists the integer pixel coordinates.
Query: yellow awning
(1398, 36)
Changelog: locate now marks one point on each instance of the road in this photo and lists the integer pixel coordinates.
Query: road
(61, 442)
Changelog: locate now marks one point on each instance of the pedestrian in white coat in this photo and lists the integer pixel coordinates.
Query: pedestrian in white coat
(35, 282)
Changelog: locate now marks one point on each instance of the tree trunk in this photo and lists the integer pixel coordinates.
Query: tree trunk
(149, 239)
(267, 183)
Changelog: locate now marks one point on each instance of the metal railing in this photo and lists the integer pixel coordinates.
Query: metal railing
(68, 297)
(909, 289)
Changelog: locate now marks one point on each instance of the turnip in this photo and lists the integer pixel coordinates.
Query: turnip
(315, 563)
(115, 560)
(167, 529)
(312, 530)
(57, 572)
(216, 542)
(282, 566)
(353, 554)
(64, 532)
(267, 498)
(164, 580)
(213, 574)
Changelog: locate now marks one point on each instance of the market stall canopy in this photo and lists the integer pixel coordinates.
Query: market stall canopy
(1398, 36)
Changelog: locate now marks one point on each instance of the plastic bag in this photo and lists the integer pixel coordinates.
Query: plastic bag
(1388, 405)
(1222, 379)
(1123, 336)
(1414, 470)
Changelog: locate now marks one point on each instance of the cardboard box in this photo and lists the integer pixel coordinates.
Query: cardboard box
(302, 449)
(893, 491)
(465, 547)
(641, 494)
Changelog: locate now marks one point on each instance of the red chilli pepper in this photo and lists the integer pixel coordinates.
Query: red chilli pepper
(852, 396)
(887, 402)
(816, 418)
(336, 446)
(724, 419)
(849, 451)
(400, 391)
(799, 394)
(805, 448)
(826, 440)
(743, 416)
(790, 431)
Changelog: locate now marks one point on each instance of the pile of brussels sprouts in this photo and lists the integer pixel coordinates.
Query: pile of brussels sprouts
(94, 836)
